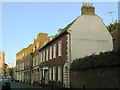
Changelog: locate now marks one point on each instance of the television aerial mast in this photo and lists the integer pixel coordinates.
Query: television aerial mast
(112, 15)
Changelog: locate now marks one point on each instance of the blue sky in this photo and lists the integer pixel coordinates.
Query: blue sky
(22, 21)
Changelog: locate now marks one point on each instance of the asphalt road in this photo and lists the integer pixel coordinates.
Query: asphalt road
(21, 85)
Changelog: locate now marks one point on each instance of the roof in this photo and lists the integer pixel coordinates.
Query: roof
(61, 33)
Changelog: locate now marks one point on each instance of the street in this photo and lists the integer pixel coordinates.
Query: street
(21, 85)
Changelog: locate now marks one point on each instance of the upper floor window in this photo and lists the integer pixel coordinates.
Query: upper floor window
(51, 52)
(54, 53)
(33, 62)
(46, 54)
(60, 48)
(23, 65)
(37, 60)
(38, 45)
(43, 56)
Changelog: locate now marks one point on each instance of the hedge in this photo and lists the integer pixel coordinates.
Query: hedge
(111, 58)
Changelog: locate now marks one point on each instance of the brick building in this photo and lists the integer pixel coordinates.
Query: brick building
(2, 64)
(84, 36)
(116, 35)
(52, 56)
(42, 38)
(24, 64)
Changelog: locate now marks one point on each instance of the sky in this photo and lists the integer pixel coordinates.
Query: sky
(23, 21)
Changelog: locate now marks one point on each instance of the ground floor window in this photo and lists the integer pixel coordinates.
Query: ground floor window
(60, 73)
(50, 73)
(54, 73)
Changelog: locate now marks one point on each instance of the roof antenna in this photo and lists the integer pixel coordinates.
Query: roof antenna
(112, 15)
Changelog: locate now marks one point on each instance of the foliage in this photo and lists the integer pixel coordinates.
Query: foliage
(112, 27)
(103, 59)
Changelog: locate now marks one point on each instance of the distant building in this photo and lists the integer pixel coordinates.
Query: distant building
(42, 39)
(7, 72)
(23, 64)
(14, 73)
(2, 62)
(116, 35)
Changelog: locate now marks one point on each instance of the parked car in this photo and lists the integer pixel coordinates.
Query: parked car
(5, 83)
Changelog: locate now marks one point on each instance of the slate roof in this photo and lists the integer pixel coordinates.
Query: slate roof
(61, 33)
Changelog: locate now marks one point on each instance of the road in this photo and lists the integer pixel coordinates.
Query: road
(21, 85)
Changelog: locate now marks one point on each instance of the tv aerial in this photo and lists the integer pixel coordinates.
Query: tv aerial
(112, 15)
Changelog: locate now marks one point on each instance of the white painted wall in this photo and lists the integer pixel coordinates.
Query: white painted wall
(89, 35)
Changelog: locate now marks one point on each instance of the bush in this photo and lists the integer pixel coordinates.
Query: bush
(103, 59)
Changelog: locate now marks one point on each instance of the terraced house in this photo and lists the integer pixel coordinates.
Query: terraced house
(42, 38)
(86, 35)
(52, 56)
(24, 64)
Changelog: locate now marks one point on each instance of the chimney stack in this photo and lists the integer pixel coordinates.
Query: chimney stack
(59, 30)
(87, 9)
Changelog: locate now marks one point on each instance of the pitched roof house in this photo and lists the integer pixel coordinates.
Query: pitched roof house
(84, 36)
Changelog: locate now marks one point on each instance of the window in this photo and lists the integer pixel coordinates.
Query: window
(34, 48)
(59, 48)
(43, 56)
(23, 65)
(39, 58)
(38, 45)
(51, 52)
(33, 62)
(47, 55)
(60, 73)
(54, 73)
(36, 59)
(50, 73)
(54, 53)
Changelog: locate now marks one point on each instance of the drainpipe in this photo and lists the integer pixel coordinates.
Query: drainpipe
(69, 32)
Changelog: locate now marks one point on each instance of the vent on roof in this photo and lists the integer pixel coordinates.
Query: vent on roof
(87, 9)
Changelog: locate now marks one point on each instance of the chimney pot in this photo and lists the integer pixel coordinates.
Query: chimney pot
(119, 21)
(116, 21)
(83, 4)
(86, 4)
(91, 5)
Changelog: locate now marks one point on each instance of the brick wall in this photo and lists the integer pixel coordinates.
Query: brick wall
(102, 77)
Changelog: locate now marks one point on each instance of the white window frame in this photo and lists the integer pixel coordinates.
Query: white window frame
(43, 56)
(59, 48)
(39, 58)
(46, 54)
(54, 73)
(33, 62)
(37, 45)
(51, 52)
(60, 73)
(50, 73)
(54, 52)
